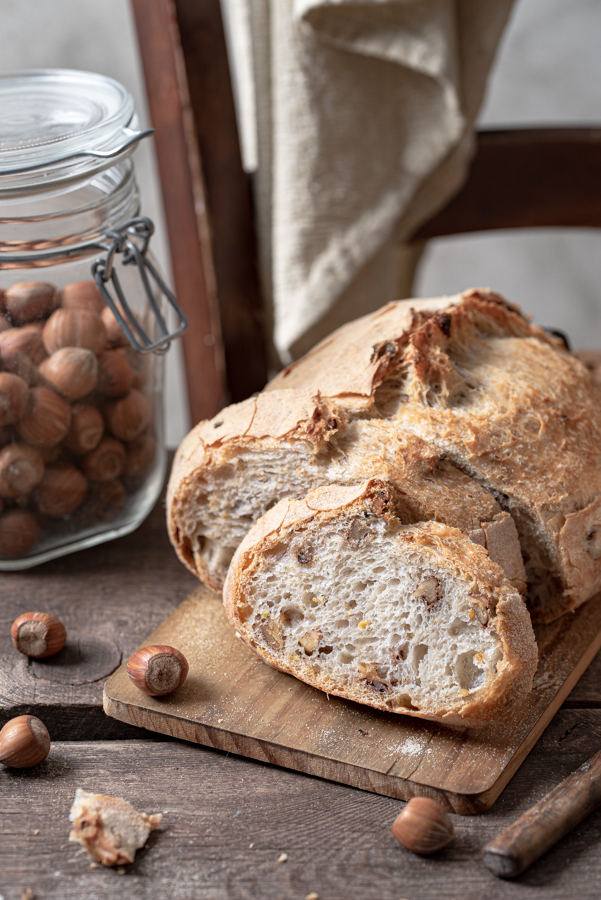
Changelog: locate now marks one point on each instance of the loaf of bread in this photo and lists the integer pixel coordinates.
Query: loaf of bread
(417, 619)
(231, 470)
(477, 418)
(504, 401)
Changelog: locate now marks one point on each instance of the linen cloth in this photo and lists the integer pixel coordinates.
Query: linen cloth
(357, 119)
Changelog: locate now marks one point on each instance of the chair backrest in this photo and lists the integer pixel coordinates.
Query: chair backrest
(518, 179)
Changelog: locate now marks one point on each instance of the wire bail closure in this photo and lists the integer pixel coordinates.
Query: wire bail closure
(132, 240)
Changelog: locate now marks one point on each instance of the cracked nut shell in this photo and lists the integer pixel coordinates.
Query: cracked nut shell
(38, 634)
(158, 670)
(423, 826)
(24, 742)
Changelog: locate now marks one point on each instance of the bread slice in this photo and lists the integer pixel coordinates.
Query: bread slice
(416, 619)
(504, 401)
(231, 470)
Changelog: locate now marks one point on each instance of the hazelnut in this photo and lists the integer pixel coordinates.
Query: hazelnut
(116, 376)
(48, 421)
(157, 670)
(141, 364)
(61, 490)
(19, 531)
(27, 339)
(73, 371)
(115, 336)
(423, 826)
(128, 416)
(74, 328)
(30, 300)
(106, 461)
(140, 456)
(14, 398)
(50, 454)
(21, 468)
(86, 430)
(82, 295)
(18, 363)
(24, 742)
(104, 500)
(38, 634)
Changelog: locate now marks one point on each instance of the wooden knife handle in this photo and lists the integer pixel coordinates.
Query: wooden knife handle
(523, 842)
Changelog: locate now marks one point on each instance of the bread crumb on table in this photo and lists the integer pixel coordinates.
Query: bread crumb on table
(282, 857)
(109, 828)
(312, 896)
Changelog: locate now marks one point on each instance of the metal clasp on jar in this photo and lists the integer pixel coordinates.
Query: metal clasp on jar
(132, 240)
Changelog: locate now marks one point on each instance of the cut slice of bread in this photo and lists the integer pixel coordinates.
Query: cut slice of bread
(416, 619)
(504, 401)
(231, 470)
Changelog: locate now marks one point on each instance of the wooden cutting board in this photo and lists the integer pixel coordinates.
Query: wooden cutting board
(233, 701)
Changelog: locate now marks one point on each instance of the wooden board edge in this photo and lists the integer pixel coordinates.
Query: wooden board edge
(483, 801)
(274, 754)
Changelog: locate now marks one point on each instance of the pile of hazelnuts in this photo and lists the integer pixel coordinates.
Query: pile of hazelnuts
(76, 431)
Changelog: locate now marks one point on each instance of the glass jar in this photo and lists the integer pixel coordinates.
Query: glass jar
(83, 313)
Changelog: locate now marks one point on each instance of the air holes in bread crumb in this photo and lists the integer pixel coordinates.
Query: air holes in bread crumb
(468, 674)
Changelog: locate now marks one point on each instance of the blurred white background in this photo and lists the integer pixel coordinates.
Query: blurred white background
(548, 72)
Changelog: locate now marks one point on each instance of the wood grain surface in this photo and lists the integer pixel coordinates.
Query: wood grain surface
(526, 178)
(108, 598)
(234, 702)
(227, 820)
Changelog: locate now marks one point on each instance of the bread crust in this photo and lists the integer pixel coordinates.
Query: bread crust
(505, 401)
(447, 546)
(426, 486)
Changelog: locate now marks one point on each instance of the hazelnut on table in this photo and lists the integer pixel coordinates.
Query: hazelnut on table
(423, 826)
(24, 742)
(38, 635)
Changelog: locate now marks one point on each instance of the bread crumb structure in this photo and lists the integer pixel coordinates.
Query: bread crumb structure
(109, 828)
(335, 590)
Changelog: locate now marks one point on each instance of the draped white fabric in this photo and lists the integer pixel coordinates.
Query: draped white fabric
(357, 118)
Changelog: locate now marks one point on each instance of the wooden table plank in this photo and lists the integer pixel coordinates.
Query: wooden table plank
(109, 598)
(337, 838)
(232, 701)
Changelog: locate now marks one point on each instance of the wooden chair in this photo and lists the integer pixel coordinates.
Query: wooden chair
(518, 179)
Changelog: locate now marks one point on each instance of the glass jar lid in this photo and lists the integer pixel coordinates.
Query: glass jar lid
(58, 125)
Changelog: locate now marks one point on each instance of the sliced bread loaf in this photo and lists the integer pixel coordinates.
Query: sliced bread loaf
(231, 470)
(417, 619)
(500, 398)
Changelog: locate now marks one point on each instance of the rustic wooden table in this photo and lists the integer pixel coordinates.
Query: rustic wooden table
(228, 819)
